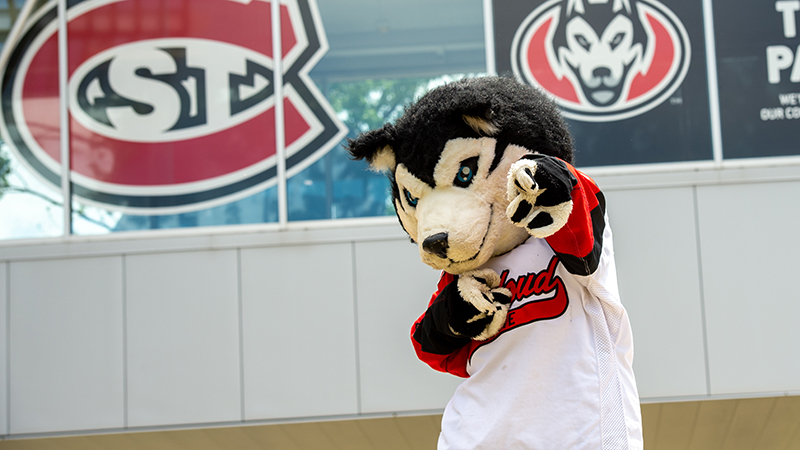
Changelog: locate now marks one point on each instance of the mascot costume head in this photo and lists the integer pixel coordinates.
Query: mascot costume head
(449, 157)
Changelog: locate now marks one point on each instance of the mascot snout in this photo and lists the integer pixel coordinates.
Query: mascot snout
(452, 225)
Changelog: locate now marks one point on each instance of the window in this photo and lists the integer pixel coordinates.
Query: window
(172, 110)
(146, 73)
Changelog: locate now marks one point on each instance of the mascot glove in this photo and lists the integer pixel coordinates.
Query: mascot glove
(486, 305)
(540, 194)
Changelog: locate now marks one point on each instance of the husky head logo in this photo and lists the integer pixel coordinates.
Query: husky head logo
(602, 53)
(602, 60)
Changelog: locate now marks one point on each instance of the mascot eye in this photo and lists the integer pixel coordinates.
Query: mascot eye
(617, 40)
(466, 172)
(412, 201)
(583, 41)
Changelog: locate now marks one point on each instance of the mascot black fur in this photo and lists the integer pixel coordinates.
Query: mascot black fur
(527, 309)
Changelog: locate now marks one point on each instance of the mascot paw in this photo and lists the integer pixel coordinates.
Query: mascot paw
(483, 307)
(540, 194)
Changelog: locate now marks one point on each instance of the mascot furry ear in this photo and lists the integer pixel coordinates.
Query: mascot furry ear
(376, 147)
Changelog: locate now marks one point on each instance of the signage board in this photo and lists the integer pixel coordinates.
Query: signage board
(629, 75)
(758, 62)
(171, 102)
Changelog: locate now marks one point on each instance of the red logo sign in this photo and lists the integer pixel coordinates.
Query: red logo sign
(602, 60)
(171, 102)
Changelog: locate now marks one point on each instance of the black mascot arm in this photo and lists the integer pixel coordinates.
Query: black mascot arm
(432, 332)
(445, 335)
(554, 201)
(471, 307)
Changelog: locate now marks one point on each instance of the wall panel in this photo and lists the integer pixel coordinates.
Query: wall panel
(393, 289)
(750, 245)
(66, 357)
(183, 338)
(310, 323)
(298, 331)
(657, 265)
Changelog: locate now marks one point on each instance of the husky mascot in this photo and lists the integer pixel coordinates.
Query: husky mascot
(527, 309)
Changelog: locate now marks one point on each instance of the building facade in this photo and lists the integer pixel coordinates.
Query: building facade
(212, 260)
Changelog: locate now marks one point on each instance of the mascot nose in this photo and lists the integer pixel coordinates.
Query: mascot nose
(601, 72)
(436, 245)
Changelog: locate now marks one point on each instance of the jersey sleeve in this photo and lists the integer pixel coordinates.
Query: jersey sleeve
(579, 243)
(441, 351)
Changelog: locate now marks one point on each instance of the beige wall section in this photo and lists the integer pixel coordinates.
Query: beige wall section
(736, 424)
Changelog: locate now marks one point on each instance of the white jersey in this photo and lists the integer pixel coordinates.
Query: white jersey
(562, 382)
(559, 373)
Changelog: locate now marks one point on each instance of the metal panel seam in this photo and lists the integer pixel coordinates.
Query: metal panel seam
(701, 287)
(124, 341)
(241, 330)
(353, 266)
(8, 348)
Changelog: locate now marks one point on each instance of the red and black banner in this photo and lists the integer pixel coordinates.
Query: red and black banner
(171, 102)
(629, 75)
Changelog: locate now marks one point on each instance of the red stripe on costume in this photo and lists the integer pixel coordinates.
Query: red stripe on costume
(576, 237)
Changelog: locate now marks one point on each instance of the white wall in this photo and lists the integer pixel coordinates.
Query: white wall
(660, 283)
(751, 236)
(66, 352)
(247, 324)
